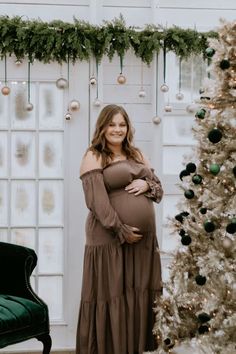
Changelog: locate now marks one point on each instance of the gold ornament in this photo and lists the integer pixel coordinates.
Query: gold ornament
(74, 105)
(92, 80)
(29, 107)
(6, 90)
(62, 83)
(121, 79)
(164, 88)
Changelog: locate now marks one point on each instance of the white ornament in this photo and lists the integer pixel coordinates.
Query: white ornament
(6, 90)
(74, 105)
(156, 120)
(68, 116)
(168, 108)
(93, 80)
(192, 108)
(29, 107)
(142, 93)
(62, 83)
(179, 96)
(164, 88)
(97, 102)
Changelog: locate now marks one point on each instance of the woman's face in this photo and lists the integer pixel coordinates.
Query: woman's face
(116, 130)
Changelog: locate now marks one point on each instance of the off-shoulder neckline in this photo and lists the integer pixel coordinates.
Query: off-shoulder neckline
(101, 169)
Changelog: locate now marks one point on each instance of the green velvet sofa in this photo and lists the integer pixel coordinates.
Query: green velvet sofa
(23, 315)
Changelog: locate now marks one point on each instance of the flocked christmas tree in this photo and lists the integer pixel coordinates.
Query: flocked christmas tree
(199, 304)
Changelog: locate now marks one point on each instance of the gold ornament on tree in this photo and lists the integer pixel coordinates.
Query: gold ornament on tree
(164, 87)
(97, 102)
(121, 79)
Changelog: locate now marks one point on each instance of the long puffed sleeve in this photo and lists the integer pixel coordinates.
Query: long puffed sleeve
(98, 202)
(155, 191)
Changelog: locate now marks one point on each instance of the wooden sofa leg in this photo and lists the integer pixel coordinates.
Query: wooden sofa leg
(47, 342)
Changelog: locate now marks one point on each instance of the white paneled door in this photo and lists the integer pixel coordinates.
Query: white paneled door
(40, 192)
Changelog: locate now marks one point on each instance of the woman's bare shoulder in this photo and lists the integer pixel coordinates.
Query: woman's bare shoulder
(90, 162)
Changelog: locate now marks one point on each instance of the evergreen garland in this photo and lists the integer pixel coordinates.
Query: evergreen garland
(60, 41)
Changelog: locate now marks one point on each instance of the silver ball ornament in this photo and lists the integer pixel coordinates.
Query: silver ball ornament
(191, 108)
(74, 105)
(142, 93)
(93, 80)
(29, 107)
(168, 108)
(179, 96)
(121, 79)
(6, 90)
(156, 120)
(68, 116)
(97, 103)
(62, 83)
(164, 88)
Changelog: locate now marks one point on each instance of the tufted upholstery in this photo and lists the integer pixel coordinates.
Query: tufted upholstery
(23, 315)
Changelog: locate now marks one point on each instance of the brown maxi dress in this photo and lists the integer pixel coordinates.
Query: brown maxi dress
(120, 280)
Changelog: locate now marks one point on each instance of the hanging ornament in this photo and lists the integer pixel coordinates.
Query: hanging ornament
(227, 243)
(191, 167)
(201, 113)
(142, 92)
(186, 240)
(180, 96)
(68, 116)
(74, 105)
(192, 108)
(203, 211)
(197, 179)
(18, 62)
(209, 226)
(203, 328)
(215, 135)
(121, 79)
(156, 120)
(29, 106)
(210, 52)
(97, 102)
(93, 80)
(181, 232)
(203, 317)
(200, 279)
(5, 89)
(168, 108)
(62, 83)
(231, 227)
(189, 194)
(214, 169)
(164, 87)
(224, 64)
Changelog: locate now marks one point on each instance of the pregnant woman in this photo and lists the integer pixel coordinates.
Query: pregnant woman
(122, 270)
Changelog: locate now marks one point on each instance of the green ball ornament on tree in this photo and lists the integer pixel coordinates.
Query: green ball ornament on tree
(189, 194)
(201, 113)
(200, 279)
(224, 64)
(214, 169)
(209, 226)
(214, 135)
(210, 52)
(191, 167)
(197, 179)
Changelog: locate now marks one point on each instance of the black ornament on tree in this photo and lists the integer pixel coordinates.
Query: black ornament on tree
(189, 194)
(200, 279)
(183, 173)
(215, 135)
(234, 171)
(186, 240)
(209, 226)
(191, 167)
(181, 232)
(185, 213)
(231, 228)
(179, 218)
(197, 179)
(203, 211)
(203, 329)
(224, 64)
(203, 317)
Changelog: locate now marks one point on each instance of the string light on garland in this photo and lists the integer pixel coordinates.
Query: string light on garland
(121, 79)
(5, 89)
(29, 106)
(164, 87)
(180, 96)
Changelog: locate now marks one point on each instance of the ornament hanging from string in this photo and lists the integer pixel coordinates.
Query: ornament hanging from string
(164, 87)
(121, 79)
(156, 119)
(180, 95)
(93, 80)
(29, 106)
(74, 105)
(142, 92)
(62, 83)
(5, 89)
(97, 102)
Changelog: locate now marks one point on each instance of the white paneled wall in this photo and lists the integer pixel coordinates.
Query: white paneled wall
(164, 143)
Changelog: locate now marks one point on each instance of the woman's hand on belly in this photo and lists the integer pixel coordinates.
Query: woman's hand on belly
(132, 234)
(137, 186)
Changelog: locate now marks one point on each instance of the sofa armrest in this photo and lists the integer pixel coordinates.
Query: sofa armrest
(16, 265)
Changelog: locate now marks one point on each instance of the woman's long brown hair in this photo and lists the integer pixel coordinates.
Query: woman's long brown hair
(99, 144)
